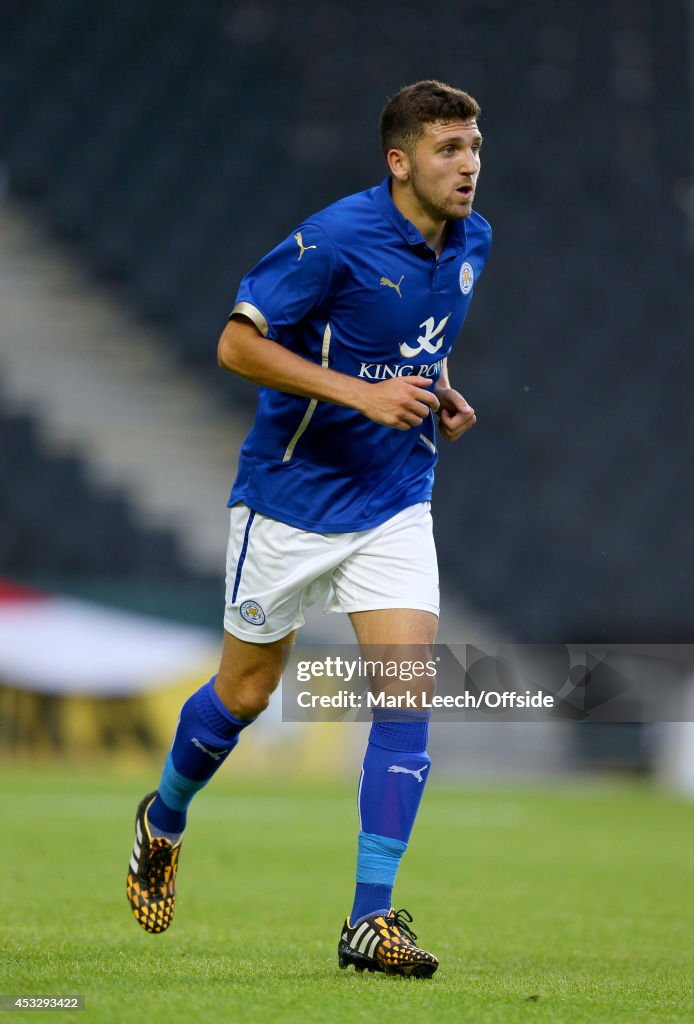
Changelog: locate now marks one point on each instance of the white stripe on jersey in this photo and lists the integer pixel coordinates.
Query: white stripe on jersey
(313, 403)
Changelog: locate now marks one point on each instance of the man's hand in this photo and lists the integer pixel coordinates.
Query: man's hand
(401, 402)
(455, 415)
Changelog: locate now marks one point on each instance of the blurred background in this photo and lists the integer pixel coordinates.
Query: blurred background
(150, 153)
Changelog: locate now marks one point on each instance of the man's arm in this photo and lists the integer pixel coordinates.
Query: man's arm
(455, 415)
(401, 403)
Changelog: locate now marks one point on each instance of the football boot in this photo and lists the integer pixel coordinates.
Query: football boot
(385, 943)
(151, 882)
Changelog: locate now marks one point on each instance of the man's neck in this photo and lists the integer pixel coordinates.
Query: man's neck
(433, 231)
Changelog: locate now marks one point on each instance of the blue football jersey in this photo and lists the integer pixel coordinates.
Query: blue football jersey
(357, 289)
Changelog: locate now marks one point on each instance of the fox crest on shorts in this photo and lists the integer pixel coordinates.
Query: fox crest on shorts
(252, 612)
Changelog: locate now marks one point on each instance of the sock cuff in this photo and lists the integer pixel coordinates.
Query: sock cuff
(400, 715)
(405, 737)
(213, 712)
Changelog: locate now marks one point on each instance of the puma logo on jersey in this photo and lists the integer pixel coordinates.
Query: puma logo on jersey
(300, 242)
(417, 772)
(389, 284)
(214, 754)
(426, 340)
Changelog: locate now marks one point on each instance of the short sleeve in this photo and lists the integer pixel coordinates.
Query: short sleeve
(288, 283)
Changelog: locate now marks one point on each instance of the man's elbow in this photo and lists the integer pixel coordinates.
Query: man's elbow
(223, 354)
(228, 351)
(237, 342)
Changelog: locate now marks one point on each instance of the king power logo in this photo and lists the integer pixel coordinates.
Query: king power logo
(384, 371)
(425, 342)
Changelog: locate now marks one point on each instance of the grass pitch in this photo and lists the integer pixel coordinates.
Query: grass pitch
(565, 904)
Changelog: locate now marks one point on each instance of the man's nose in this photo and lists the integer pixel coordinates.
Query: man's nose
(468, 164)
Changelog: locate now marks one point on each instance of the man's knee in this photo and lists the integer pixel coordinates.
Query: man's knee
(249, 673)
(246, 695)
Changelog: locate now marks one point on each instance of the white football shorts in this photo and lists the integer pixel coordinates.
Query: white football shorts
(275, 571)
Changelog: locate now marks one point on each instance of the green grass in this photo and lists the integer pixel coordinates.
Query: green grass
(564, 904)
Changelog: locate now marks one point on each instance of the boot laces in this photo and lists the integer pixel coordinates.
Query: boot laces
(403, 918)
(159, 861)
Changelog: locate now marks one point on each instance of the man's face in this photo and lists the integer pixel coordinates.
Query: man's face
(444, 168)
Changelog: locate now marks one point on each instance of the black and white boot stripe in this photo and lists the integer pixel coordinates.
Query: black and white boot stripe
(137, 848)
(365, 939)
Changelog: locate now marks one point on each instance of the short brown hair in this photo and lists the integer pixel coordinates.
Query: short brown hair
(407, 113)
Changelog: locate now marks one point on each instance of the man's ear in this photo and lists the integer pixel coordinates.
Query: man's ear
(399, 165)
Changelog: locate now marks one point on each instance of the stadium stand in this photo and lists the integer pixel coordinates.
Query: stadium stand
(55, 522)
(172, 143)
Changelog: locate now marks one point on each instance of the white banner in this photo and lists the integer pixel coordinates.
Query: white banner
(56, 644)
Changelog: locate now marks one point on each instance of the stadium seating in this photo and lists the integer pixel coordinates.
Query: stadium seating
(56, 525)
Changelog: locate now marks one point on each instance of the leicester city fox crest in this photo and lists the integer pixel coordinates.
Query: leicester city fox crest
(466, 278)
(252, 612)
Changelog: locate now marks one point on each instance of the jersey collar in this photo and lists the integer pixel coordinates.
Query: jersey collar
(457, 234)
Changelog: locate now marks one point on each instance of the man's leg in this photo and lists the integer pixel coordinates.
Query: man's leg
(388, 800)
(210, 723)
(394, 773)
(208, 730)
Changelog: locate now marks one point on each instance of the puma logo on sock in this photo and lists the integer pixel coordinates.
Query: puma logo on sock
(214, 754)
(417, 772)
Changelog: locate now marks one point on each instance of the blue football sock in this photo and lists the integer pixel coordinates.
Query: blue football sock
(205, 736)
(396, 766)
